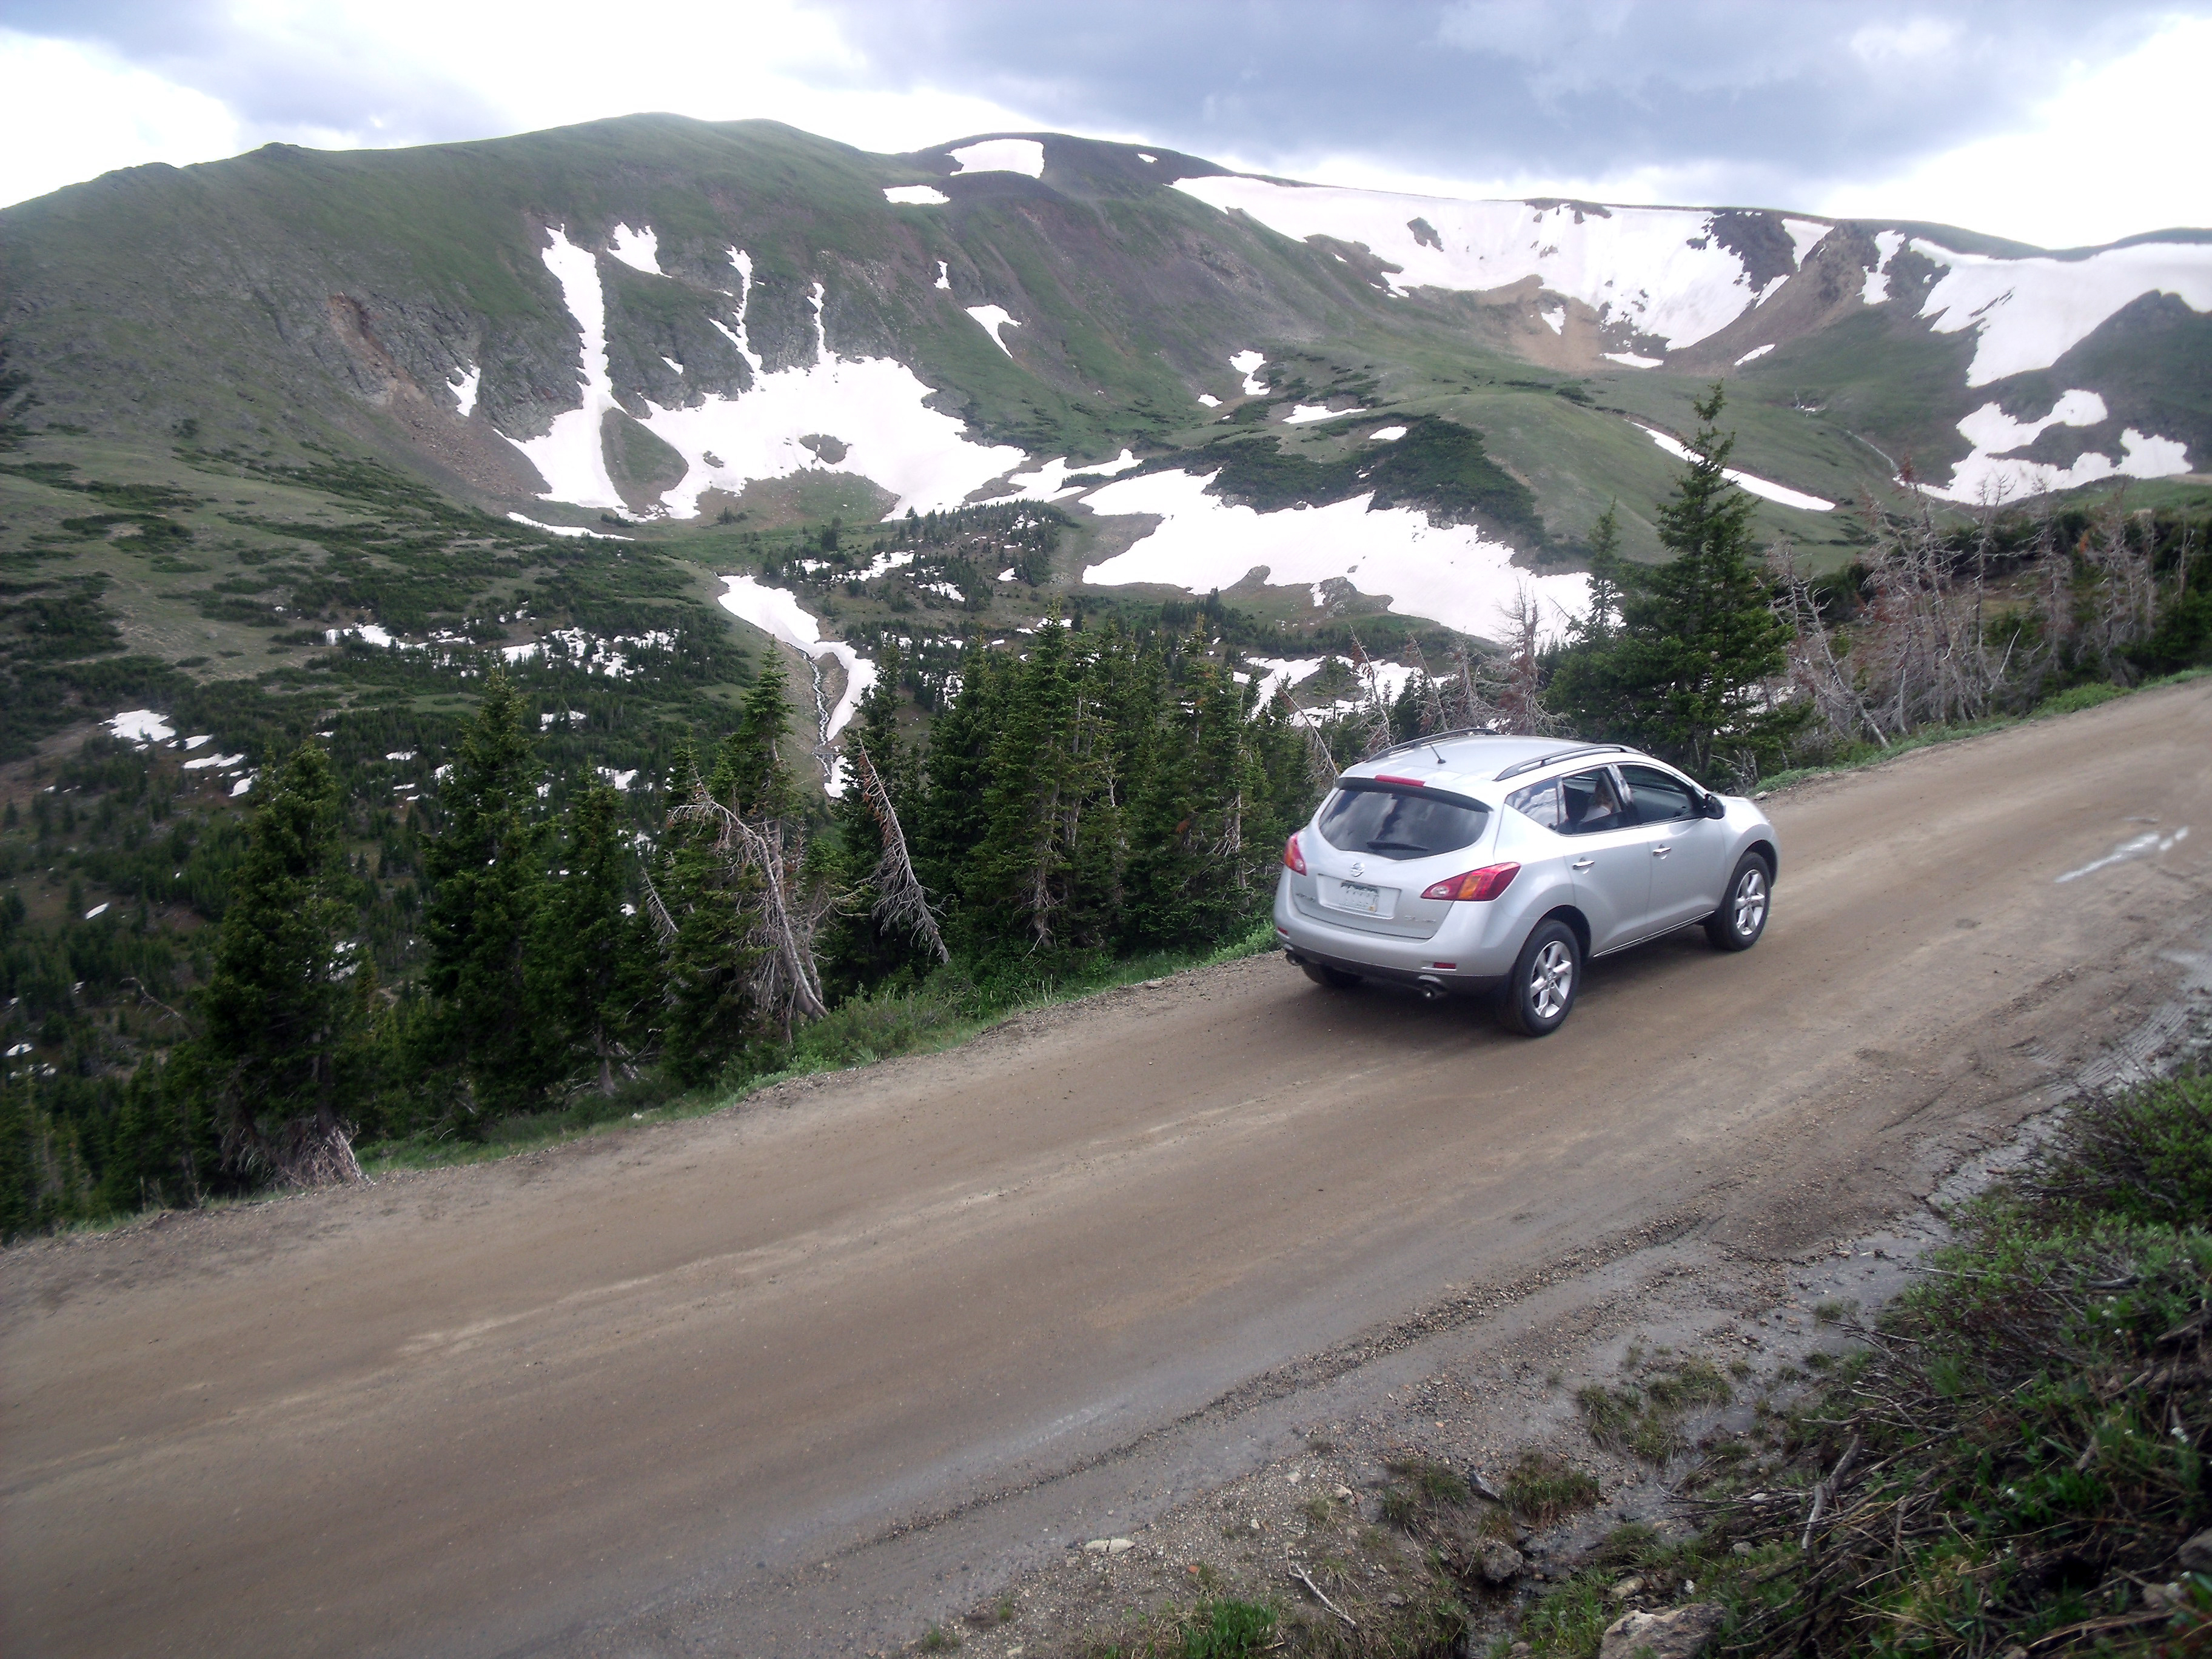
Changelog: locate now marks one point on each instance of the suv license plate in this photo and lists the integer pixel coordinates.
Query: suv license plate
(1355, 895)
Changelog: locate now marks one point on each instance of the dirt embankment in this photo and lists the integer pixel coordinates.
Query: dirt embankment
(810, 1374)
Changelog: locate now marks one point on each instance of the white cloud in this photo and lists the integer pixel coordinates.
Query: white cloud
(2107, 157)
(74, 111)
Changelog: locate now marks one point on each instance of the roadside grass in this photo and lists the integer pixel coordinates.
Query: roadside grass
(943, 1013)
(2072, 701)
(2012, 1463)
(1645, 1418)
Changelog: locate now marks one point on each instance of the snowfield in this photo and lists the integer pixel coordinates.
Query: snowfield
(1307, 414)
(1991, 473)
(915, 194)
(875, 406)
(1000, 155)
(780, 615)
(1758, 486)
(994, 320)
(2030, 313)
(1640, 265)
(572, 457)
(464, 381)
(1450, 575)
(638, 249)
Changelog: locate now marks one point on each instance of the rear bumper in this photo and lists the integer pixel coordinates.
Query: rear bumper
(1430, 979)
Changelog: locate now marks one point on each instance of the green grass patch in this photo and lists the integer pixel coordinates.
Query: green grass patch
(2014, 1462)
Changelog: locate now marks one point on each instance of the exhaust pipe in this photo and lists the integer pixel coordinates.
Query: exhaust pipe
(1433, 989)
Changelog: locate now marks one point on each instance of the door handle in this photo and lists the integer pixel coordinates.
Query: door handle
(1583, 864)
(1661, 852)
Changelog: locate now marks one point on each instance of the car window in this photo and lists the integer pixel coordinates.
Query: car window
(1540, 801)
(1400, 822)
(1657, 797)
(1590, 803)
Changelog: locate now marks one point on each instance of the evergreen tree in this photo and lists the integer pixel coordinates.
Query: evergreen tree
(1684, 671)
(588, 970)
(283, 1051)
(750, 775)
(486, 873)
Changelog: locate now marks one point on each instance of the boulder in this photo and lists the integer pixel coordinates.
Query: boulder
(1498, 1562)
(1681, 1633)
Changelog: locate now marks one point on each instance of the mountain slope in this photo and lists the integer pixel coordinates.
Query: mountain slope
(656, 317)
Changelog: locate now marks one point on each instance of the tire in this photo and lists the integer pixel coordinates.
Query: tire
(1334, 978)
(1546, 975)
(1741, 918)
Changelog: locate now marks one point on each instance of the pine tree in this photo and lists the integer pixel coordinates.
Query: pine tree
(750, 775)
(486, 874)
(1684, 673)
(283, 1051)
(587, 973)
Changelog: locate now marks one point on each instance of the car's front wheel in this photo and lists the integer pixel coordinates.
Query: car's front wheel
(1741, 918)
(1336, 978)
(1546, 976)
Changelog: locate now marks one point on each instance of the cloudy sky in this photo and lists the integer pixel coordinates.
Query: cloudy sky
(2056, 124)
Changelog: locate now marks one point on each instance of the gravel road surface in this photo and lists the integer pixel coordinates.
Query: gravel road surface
(798, 1375)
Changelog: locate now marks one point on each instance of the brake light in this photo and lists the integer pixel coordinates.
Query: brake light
(1476, 884)
(1416, 783)
(1293, 857)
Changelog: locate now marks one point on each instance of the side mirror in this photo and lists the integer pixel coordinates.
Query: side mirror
(1715, 807)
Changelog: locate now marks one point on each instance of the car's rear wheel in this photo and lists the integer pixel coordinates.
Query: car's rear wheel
(1741, 918)
(1336, 978)
(1546, 976)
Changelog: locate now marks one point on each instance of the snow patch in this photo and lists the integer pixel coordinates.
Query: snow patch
(1307, 414)
(140, 726)
(915, 194)
(1451, 575)
(944, 276)
(193, 743)
(638, 249)
(1992, 473)
(243, 785)
(876, 404)
(1758, 486)
(1754, 355)
(567, 529)
(993, 321)
(571, 458)
(621, 780)
(777, 613)
(1001, 155)
(1141, 156)
(464, 381)
(1209, 400)
(368, 633)
(1805, 236)
(99, 910)
(1660, 268)
(1249, 364)
(1875, 289)
(1630, 360)
(553, 717)
(216, 762)
(1388, 435)
(1050, 481)
(2030, 313)
(1555, 318)
(1283, 673)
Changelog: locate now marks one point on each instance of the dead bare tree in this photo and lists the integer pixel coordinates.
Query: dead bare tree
(1814, 672)
(900, 899)
(782, 921)
(1518, 687)
(1373, 710)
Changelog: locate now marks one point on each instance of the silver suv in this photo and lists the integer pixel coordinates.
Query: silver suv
(1500, 866)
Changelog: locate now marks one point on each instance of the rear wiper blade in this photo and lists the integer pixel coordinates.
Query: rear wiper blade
(1385, 845)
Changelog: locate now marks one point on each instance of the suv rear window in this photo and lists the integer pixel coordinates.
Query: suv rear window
(1393, 821)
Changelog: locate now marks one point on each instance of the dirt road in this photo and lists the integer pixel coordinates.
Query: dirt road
(676, 1390)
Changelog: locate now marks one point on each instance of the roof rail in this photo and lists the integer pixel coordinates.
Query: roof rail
(1563, 755)
(1432, 737)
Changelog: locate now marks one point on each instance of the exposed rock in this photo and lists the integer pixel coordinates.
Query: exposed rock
(2195, 1555)
(1108, 1545)
(1682, 1633)
(1498, 1562)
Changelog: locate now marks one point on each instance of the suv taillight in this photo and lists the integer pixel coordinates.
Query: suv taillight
(1292, 857)
(1487, 883)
